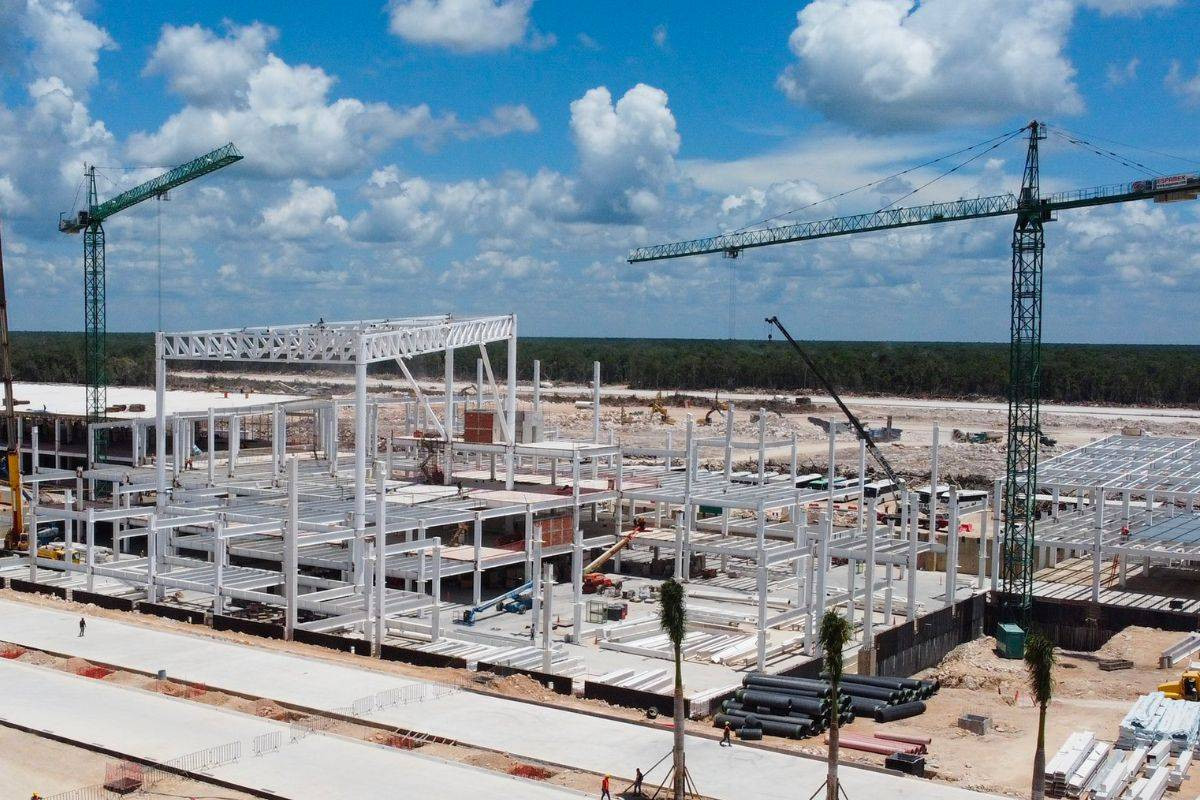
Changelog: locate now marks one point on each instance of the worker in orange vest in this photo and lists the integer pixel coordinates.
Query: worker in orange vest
(604, 789)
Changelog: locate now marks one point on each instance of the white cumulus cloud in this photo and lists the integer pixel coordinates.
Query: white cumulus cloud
(899, 64)
(468, 26)
(626, 152)
(283, 116)
(307, 211)
(206, 69)
(65, 45)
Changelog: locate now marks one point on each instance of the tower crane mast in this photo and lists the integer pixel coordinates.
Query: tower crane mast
(90, 221)
(1031, 210)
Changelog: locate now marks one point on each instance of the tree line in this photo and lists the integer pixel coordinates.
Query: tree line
(1071, 373)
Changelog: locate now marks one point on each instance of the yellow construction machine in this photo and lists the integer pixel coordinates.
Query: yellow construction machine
(12, 461)
(1185, 687)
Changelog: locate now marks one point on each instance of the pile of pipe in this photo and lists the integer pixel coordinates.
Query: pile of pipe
(797, 708)
(1154, 718)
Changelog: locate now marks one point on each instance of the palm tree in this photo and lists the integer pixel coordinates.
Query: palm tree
(673, 617)
(1039, 661)
(834, 636)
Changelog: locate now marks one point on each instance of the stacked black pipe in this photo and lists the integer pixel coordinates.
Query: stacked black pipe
(797, 708)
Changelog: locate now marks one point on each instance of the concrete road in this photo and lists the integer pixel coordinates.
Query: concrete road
(526, 730)
(151, 726)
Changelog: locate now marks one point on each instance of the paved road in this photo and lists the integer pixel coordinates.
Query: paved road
(151, 726)
(526, 730)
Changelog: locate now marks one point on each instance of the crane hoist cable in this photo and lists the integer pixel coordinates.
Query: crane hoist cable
(878, 181)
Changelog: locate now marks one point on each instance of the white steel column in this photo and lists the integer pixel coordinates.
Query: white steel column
(683, 556)
(537, 407)
(831, 476)
(826, 533)
(291, 551)
(762, 446)
(160, 424)
(981, 565)
(908, 523)
(360, 461)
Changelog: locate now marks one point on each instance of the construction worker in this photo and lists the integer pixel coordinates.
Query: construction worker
(725, 742)
(604, 788)
(637, 782)
(82, 627)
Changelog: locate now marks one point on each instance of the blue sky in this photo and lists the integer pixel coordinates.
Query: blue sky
(484, 156)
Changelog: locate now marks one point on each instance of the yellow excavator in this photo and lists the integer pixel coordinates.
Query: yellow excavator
(12, 461)
(1185, 687)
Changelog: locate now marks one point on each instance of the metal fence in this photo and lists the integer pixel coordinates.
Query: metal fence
(266, 743)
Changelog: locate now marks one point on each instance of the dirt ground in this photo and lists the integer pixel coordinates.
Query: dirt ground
(33, 764)
(977, 681)
(968, 464)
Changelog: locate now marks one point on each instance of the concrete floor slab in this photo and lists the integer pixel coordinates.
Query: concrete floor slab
(527, 730)
(150, 726)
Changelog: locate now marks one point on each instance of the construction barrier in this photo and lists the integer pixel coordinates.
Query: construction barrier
(909, 648)
(102, 600)
(268, 630)
(634, 698)
(1086, 626)
(346, 644)
(420, 658)
(29, 587)
(561, 684)
(171, 612)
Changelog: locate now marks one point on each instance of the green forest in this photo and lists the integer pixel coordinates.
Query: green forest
(1071, 373)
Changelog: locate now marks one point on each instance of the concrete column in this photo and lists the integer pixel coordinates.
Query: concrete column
(537, 407)
(952, 548)
(380, 560)
(683, 553)
(448, 468)
(152, 558)
(235, 443)
(909, 517)
(619, 507)
(160, 424)
(862, 482)
(511, 410)
(291, 550)
(360, 462)
(981, 548)
(576, 553)
(435, 619)
(762, 446)
(832, 474)
(851, 576)
(826, 533)
(218, 604)
(761, 562)
(869, 580)
(547, 619)
(90, 552)
(596, 402)
(477, 577)
(998, 533)
(1097, 542)
(212, 445)
(530, 569)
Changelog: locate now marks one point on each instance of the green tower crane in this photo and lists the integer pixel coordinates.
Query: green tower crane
(1025, 342)
(91, 222)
